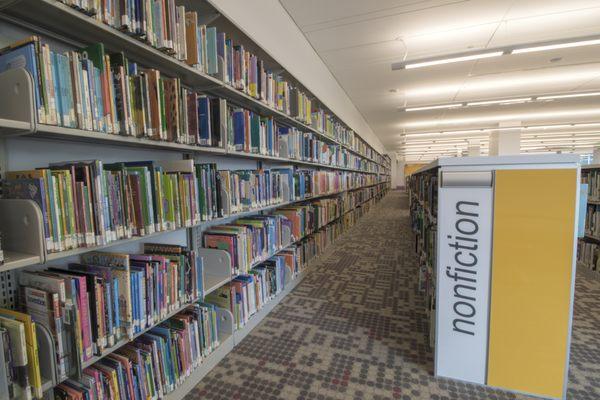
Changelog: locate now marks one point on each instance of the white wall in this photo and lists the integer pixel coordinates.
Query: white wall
(270, 26)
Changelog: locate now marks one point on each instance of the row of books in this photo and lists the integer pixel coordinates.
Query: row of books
(152, 365)
(87, 203)
(176, 31)
(91, 306)
(588, 254)
(592, 221)
(592, 179)
(249, 240)
(247, 293)
(96, 91)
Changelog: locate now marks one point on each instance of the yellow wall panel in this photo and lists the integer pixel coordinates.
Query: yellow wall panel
(531, 279)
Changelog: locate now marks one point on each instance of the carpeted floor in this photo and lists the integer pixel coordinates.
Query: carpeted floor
(355, 329)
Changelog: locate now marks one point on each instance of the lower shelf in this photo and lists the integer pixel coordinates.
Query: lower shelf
(228, 344)
(207, 365)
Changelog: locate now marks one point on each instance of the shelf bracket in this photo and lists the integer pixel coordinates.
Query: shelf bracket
(17, 115)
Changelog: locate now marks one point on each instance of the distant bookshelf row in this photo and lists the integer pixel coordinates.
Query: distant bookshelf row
(423, 194)
(588, 247)
(136, 326)
(208, 54)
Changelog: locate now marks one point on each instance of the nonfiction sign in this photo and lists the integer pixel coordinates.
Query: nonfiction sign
(463, 291)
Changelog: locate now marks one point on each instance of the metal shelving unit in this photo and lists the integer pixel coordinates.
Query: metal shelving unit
(23, 219)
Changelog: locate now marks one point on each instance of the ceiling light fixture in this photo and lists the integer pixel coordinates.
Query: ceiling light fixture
(450, 60)
(505, 101)
(568, 96)
(508, 128)
(500, 118)
(442, 106)
(497, 52)
(555, 46)
(502, 101)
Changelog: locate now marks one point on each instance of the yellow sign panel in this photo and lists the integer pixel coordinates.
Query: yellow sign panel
(531, 279)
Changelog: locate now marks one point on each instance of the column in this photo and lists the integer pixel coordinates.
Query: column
(506, 140)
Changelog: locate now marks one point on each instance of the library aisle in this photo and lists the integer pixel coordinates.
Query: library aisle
(353, 329)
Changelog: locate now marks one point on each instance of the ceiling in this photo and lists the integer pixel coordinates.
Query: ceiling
(359, 40)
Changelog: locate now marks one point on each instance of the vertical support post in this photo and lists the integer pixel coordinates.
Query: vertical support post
(506, 140)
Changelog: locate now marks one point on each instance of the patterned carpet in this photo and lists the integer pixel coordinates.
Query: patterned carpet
(354, 329)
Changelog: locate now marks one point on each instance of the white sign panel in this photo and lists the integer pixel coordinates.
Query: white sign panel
(463, 281)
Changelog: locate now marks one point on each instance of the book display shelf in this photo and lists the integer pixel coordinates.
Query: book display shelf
(499, 315)
(588, 247)
(165, 183)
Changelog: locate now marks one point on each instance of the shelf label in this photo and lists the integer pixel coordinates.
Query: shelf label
(463, 279)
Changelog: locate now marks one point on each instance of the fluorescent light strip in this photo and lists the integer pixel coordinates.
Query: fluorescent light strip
(591, 42)
(442, 106)
(567, 96)
(505, 101)
(453, 59)
(519, 116)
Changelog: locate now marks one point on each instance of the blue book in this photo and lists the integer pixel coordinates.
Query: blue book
(211, 50)
(99, 99)
(270, 136)
(115, 308)
(57, 88)
(229, 49)
(239, 133)
(134, 302)
(204, 122)
(66, 86)
(25, 56)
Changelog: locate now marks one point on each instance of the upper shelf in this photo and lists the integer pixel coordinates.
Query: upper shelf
(18, 118)
(53, 16)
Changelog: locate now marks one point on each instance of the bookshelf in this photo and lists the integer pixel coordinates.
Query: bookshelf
(588, 247)
(26, 143)
(483, 238)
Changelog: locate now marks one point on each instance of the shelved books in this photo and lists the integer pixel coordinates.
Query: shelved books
(249, 240)
(592, 221)
(176, 31)
(588, 254)
(96, 91)
(592, 179)
(248, 293)
(1, 252)
(91, 306)
(152, 365)
(423, 210)
(87, 203)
